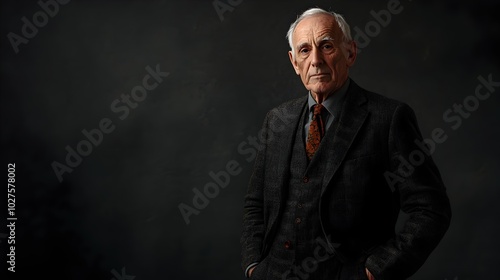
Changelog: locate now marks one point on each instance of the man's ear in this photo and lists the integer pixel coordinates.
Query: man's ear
(294, 62)
(352, 52)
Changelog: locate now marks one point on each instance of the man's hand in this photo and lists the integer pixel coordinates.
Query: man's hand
(250, 271)
(369, 275)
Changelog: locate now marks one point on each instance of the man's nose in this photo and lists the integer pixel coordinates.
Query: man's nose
(317, 57)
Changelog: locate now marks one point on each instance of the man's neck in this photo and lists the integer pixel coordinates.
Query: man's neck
(320, 97)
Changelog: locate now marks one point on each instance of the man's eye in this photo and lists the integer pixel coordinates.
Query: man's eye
(328, 47)
(304, 51)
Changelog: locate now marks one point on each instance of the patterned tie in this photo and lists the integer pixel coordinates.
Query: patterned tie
(316, 131)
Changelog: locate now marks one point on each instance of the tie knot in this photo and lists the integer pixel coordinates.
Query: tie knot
(317, 109)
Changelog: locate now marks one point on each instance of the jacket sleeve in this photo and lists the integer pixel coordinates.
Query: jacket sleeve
(422, 195)
(253, 212)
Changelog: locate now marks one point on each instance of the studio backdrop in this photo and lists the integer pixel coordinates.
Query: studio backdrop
(129, 129)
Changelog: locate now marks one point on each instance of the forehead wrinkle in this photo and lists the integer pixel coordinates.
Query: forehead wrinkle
(323, 39)
(320, 25)
(326, 33)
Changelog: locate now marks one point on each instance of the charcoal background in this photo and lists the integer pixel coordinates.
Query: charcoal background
(119, 207)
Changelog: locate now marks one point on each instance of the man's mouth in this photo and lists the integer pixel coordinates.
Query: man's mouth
(319, 75)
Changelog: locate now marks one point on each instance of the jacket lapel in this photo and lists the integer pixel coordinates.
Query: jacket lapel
(351, 119)
(291, 117)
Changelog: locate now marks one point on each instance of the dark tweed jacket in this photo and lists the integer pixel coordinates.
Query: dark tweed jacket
(360, 199)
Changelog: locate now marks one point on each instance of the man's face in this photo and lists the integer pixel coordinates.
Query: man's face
(322, 57)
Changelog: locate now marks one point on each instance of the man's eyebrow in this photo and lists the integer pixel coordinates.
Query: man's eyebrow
(326, 38)
(300, 46)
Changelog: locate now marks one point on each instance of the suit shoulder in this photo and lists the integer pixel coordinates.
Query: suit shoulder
(293, 105)
(383, 107)
(378, 102)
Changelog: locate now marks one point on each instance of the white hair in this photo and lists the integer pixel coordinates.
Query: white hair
(346, 30)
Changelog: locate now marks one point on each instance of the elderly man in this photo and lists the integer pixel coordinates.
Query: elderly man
(335, 169)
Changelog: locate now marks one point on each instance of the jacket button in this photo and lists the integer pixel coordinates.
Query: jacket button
(306, 179)
(298, 220)
(300, 205)
(288, 244)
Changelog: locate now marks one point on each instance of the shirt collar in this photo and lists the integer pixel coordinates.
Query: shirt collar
(333, 102)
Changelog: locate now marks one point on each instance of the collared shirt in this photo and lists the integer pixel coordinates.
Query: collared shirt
(332, 104)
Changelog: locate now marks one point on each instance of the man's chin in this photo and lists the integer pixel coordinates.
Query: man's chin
(321, 90)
